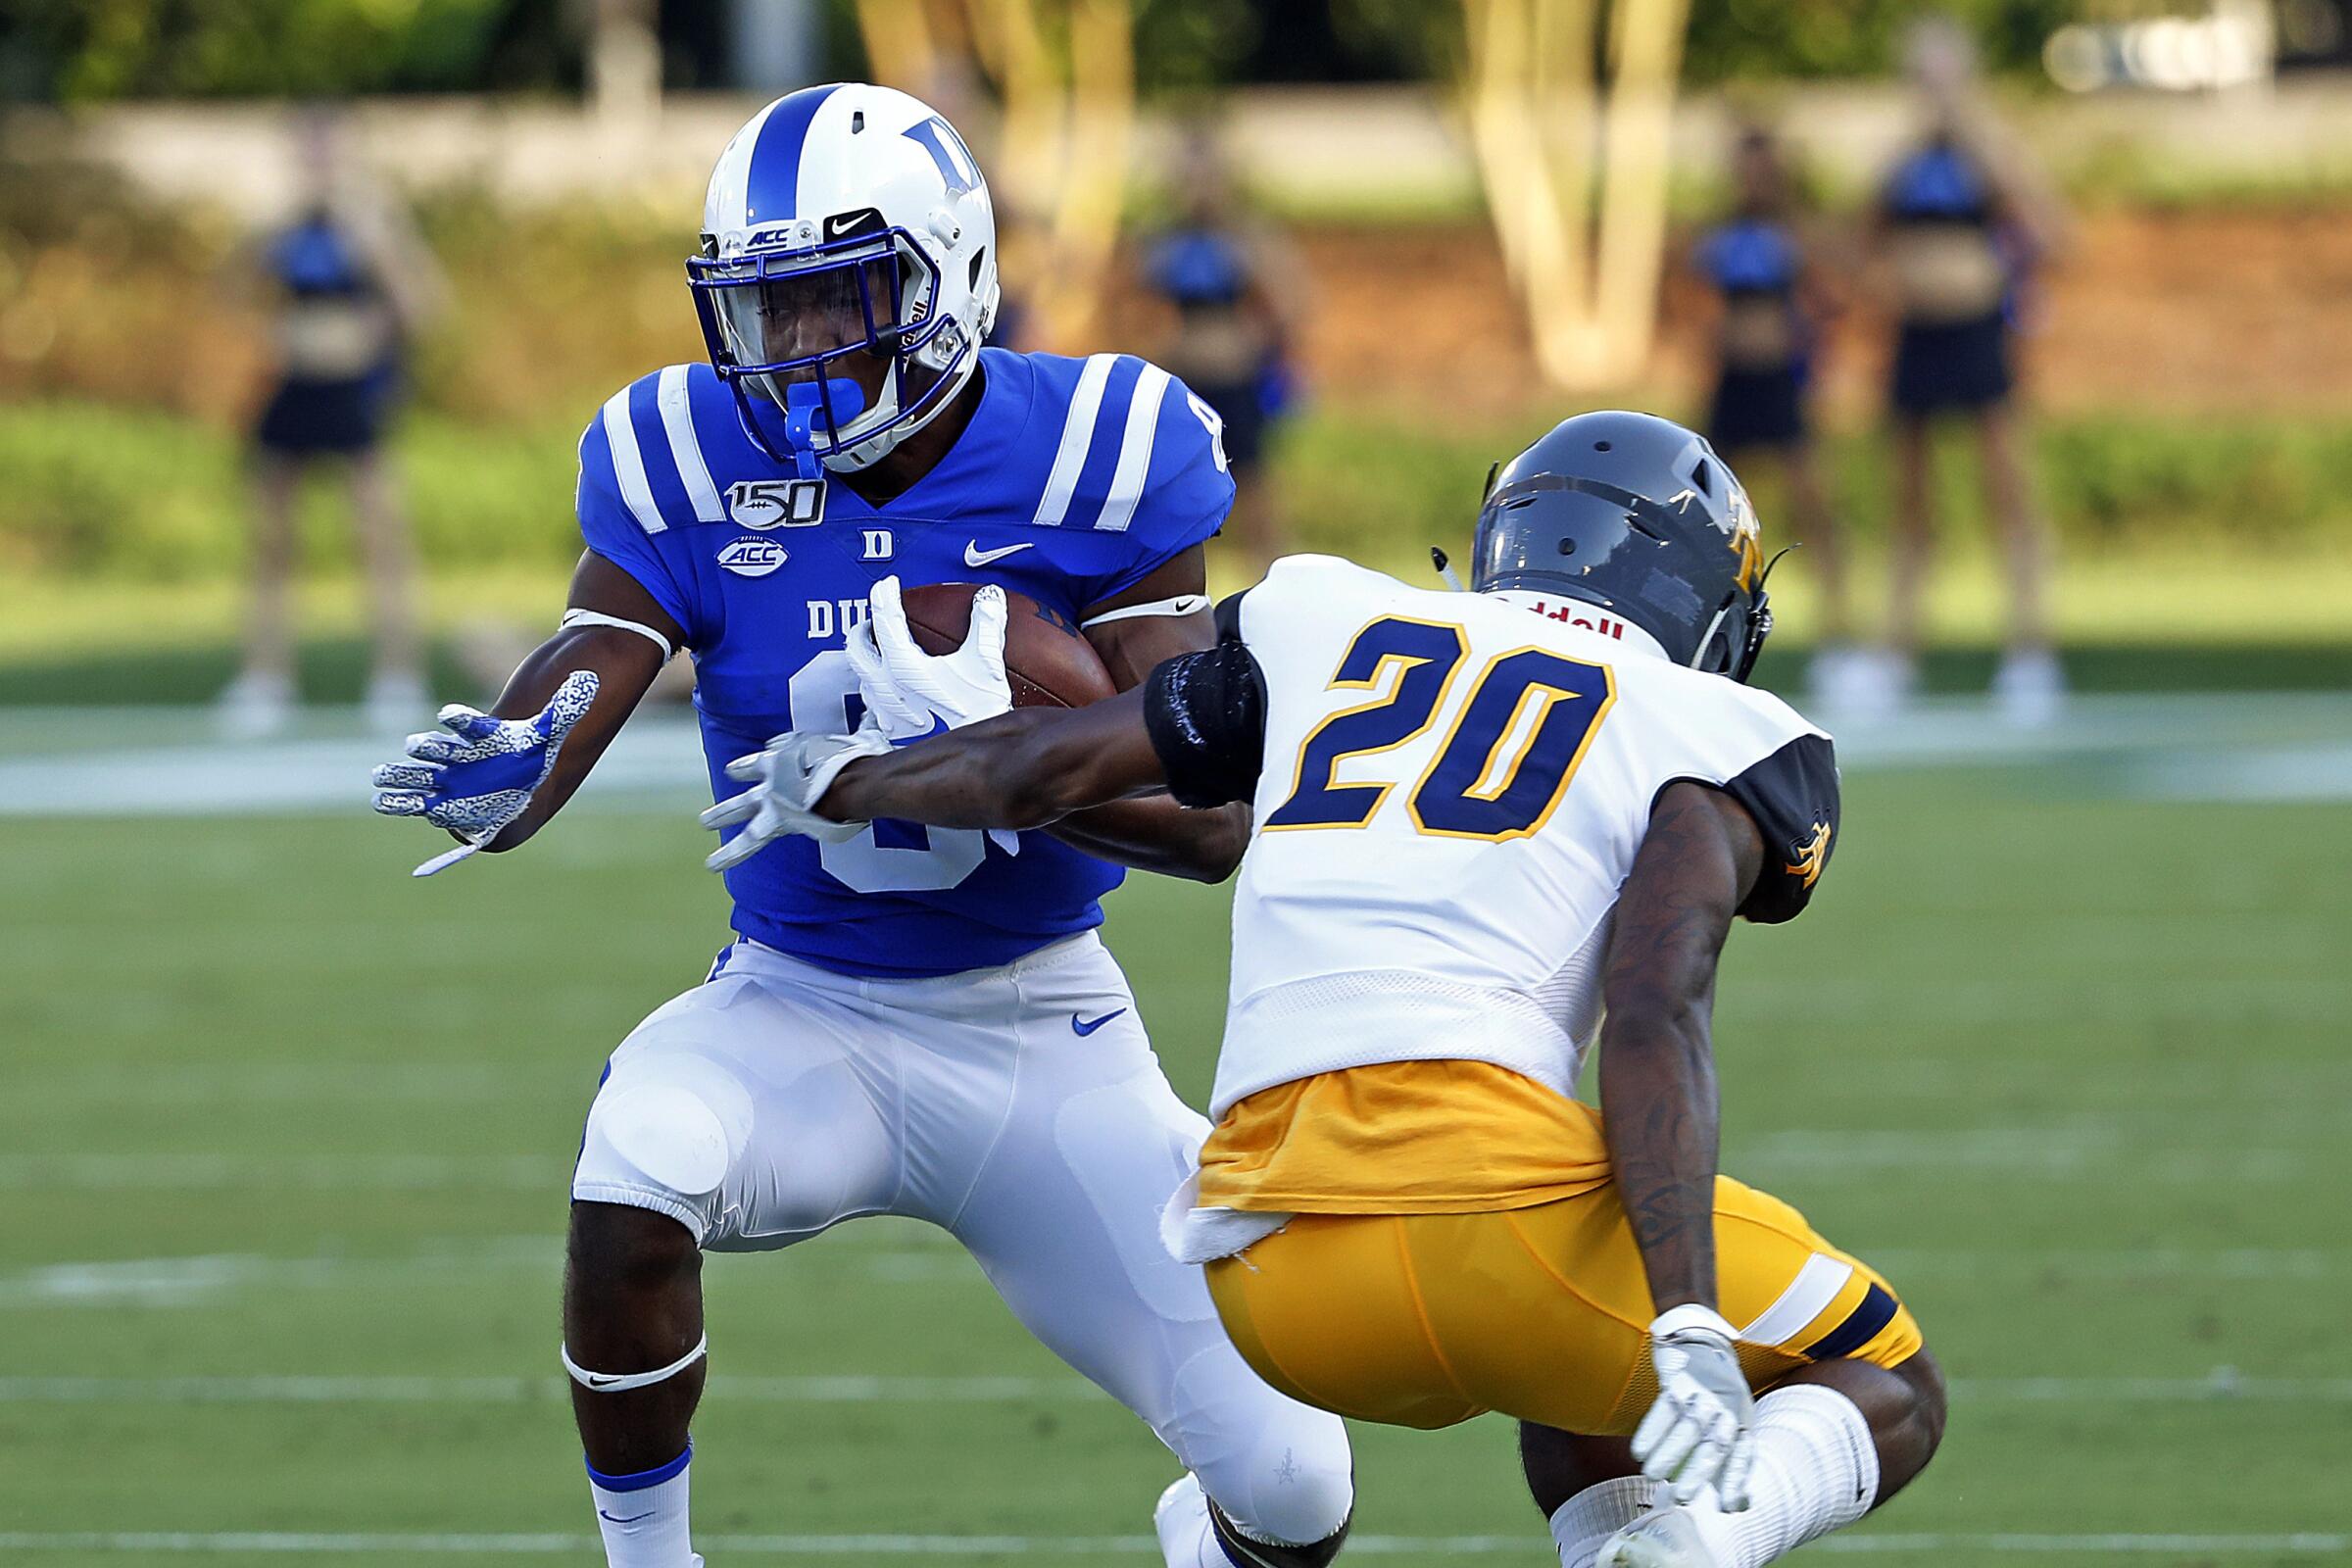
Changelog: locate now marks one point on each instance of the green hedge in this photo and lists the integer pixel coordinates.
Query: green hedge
(98, 491)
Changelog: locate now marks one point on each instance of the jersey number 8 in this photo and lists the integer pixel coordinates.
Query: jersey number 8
(888, 857)
(1514, 742)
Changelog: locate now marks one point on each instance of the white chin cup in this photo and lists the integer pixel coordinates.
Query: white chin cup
(863, 453)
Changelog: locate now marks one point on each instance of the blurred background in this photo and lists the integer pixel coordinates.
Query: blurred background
(1409, 258)
(2030, 320)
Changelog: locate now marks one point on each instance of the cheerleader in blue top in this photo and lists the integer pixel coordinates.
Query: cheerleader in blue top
(347, 286)
(1773, 301)
(1960, 224)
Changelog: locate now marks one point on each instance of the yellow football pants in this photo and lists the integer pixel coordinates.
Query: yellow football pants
(1423, 1320)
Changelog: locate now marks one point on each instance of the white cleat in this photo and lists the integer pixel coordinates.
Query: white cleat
(1862, 685)
(1667, 1537)
(397, 702)
(254, 706)
(1181, 1520)
(2030, 688)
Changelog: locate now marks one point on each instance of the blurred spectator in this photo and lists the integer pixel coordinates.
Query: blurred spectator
(1961, 222)
(1774, 298)
(350, 285)
(1234, 287)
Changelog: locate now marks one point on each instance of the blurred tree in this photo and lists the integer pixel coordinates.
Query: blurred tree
(90, 50)
(1750, 39)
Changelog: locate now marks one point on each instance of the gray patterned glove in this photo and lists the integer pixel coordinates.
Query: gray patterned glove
(478, 772)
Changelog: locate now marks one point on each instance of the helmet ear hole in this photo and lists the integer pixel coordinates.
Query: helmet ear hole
(1702, 474)
(979, 259)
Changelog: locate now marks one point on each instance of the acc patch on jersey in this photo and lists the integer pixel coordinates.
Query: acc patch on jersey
(750, 557)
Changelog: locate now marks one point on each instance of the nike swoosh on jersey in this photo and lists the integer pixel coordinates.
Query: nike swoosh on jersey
(1082, 1027)
(974, 556)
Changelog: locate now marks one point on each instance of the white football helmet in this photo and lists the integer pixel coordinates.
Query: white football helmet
(844, 221)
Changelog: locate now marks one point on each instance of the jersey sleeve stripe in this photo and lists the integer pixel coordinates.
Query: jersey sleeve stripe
(677, 420)
(1077, 436)
(1135, 451)
(1807, 1297)
(629, 463)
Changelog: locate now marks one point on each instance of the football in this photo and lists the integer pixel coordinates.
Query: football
(1048, 661)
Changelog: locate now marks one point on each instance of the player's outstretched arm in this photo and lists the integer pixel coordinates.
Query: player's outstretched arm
(1157, 835)
(626, 662)
(493, 778)
(1028, 769)
(1698, 860)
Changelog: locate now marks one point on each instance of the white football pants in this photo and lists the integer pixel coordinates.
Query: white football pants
(1021, 1110)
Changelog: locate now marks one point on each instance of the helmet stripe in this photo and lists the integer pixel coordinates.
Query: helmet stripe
(772, 189)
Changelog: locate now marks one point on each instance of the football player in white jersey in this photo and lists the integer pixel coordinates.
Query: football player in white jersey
(1493, 829)
(910, 1023)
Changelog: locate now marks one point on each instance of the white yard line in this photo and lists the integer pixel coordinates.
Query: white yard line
(356, 1542)
(2224, 1385)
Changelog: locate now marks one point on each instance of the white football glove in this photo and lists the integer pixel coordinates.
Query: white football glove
(912, 694)
(787, 780)
(478, 772)
(1699, 1432)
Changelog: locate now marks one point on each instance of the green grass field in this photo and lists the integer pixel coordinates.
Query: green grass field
(284, 1138)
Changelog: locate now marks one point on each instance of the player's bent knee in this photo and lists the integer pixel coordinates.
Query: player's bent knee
(1293, 1488)
(1929, 1401)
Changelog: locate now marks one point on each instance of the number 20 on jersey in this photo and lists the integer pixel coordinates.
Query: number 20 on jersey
(1514, 743)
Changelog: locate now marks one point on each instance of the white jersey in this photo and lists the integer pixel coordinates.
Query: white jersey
(1452, 791)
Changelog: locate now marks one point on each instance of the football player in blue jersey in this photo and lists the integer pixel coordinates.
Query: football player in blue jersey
(911, 1022)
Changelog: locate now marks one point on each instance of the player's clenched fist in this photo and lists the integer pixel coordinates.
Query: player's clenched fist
(478, 772)
(1698, 1432)
(912, 694)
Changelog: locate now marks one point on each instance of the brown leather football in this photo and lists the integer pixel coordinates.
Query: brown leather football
(1049, 662)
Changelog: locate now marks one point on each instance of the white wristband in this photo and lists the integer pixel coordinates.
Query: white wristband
(1692, 1318)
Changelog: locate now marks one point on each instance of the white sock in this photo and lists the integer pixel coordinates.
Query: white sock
(643, 1516)
(1817, 1470)
(1585, 1521)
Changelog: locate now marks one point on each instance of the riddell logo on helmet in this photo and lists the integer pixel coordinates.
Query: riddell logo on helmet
(1575, 613)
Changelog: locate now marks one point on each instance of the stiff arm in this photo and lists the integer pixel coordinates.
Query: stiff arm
(1024, 769)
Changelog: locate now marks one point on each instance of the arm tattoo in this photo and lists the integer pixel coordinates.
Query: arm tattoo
(1658, 1077)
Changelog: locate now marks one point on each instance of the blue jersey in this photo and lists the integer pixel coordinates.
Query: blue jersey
(1750, 255)
(1074, 481)
(1940, 183)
